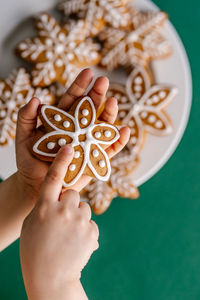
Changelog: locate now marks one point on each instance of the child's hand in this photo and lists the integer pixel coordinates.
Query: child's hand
(31, 170)
(58, 238)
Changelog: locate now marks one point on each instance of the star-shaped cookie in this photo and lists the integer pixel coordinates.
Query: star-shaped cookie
(138, 45)
(100, 194)
(97, 13)
(57, 53)
(80, 128)
(15, 92)
(141, 106)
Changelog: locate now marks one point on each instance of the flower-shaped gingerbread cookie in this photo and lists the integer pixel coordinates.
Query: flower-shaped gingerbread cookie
(138, 45)
(79, 128)
(100, 194)
(57, 53)
(97, 13)
(15, 92)
(141, 106)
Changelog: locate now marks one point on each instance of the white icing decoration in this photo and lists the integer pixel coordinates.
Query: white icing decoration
(77, 154)
(107, 133)
(97, 134)
(57, 118)
(102, 163)
(72, 167)
(51, 145)
(162, 94)
(20, 92)
(85, 112)
(61, 49)
(158, 124)
(95, 153)
(84, 121)
(152, 119)
(112, 12)
(120, 47)
(85, 145)
(143, 113)
(66, 124)
(62, 142)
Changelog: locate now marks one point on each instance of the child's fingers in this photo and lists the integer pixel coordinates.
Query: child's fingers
(110, 111)
(52, 185)
(27, 120)
(120, 143)
(77, 89)
(99, 90)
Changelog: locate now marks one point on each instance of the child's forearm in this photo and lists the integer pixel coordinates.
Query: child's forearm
(14, 207)
(71, 291)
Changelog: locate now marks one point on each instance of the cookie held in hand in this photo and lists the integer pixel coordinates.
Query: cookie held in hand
(88, 136)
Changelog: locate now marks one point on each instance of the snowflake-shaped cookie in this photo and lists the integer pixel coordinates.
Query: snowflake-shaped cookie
(141, 106)
(79, 128)
(101, 194)
(138, 45)
(97, 13)
(57, 53)
(16, 91)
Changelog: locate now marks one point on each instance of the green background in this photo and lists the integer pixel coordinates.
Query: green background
(149, 248)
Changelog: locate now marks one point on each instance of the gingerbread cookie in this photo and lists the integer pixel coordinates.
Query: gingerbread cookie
(101, 194)
(141, 106)
(16, 91)
(97, 13)
(57, 53)
(138, 45)
(80, 128)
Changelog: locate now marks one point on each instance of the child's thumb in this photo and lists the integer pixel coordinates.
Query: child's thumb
(27, 119)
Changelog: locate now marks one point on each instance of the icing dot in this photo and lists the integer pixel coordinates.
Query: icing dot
(2, 113)
(122, 114)
(95, 153)
(152, 119)
(14, 116)
(138, 95)
(20, 97)
(61, 36)
(59, 63)
(57, 118)
(144, 114)
(124, 99)
(138, 80)
(84, 121)
(155, 98)
(159, 124)
(59, 48)
(51, 145)
(107, 133)
(162, 94)
(7, 94)
(49, 55)
(117, 96)
(131, 123)
(62, 142)
(48, 42)
(72, 167)
(70, 56)
(133, 140)
(138, 88)
(85, 112)
(66, 124)
(77, 154)
(97, 134)
(102, 163)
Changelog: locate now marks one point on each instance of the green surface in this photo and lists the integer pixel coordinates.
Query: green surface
(150, 248)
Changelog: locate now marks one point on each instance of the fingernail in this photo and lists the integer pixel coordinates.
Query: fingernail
(68, 149)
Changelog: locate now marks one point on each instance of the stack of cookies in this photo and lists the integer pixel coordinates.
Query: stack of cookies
(111, 34)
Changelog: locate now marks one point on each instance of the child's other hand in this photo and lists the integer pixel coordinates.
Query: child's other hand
(33, 171)
(58, 237)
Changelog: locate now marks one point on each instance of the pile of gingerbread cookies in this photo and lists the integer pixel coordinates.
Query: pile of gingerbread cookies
(109, 34)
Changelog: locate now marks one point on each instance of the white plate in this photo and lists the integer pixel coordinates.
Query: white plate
(175, 70)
